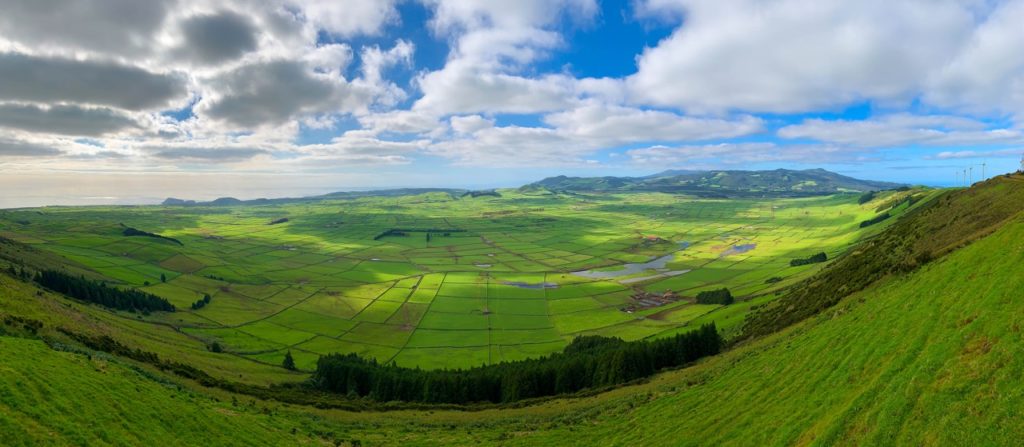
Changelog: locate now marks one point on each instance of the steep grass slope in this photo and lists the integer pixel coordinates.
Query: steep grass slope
(927, 232)
(58, 398)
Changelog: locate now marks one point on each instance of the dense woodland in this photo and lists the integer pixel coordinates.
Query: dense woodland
(588, 362)
(717, 296)
(100, 293)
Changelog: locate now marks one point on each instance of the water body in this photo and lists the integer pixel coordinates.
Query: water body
(526, 285)
(738, 249)
(634, 268)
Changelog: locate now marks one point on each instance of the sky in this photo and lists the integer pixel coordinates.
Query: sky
(126, 101)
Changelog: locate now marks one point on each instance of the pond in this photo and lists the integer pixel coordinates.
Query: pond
(632, 268)
(738, 249)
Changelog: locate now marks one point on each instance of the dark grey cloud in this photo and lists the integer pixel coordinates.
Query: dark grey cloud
(222, 154)
(45, 79)
(272, 93)
(14, 148)
(108, 26)
(65, 120)
(217, 38)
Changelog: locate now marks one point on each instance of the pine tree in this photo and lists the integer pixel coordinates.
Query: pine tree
(289, 362)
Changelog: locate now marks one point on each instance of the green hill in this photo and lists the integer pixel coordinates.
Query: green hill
(922, 354)
(780, 182)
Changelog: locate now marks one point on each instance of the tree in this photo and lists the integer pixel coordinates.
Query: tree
(719, 296)
(215, 347)
(163, 277)
(289, 362)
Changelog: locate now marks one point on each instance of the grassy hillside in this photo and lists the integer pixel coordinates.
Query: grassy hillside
(779, 182)
(930, 229)
(928, 357)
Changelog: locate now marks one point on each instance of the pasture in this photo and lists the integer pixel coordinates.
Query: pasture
(437, 281)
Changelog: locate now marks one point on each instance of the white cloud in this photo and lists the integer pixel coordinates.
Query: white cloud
(460, 88)
(614, 125)
(512, 146)
(955, 155)
(399, 121)
(902, 130)
(349, 17)
(375, 60)
(492, 43)
(987, 73)
(578, 133)
(206, 154)
(332, 59)
(797, 55)
(470, 124)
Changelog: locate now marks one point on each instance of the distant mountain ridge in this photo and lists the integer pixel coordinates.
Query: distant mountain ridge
(230, 201)
(719, 183)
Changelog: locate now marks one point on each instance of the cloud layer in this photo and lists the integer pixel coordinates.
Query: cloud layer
(309, 85)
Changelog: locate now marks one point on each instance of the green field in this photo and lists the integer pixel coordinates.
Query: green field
(492, 282)
(930, 357)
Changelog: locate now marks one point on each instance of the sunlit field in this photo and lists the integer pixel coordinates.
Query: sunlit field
(459, 282)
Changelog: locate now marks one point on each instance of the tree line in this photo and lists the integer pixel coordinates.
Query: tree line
(406, 231)
(129, 231)
(588, 362)
(100, 293)
(813, 259)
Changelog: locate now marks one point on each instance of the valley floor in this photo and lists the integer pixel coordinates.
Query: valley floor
(930, 358)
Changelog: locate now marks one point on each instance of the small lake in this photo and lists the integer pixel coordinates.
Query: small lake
(738, 249)
(633, 268)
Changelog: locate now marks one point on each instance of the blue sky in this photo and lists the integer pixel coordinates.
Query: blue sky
(478, 93)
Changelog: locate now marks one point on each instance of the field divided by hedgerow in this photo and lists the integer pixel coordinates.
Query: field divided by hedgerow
(435, 281)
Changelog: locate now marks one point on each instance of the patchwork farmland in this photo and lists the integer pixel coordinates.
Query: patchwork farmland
(434, 280)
